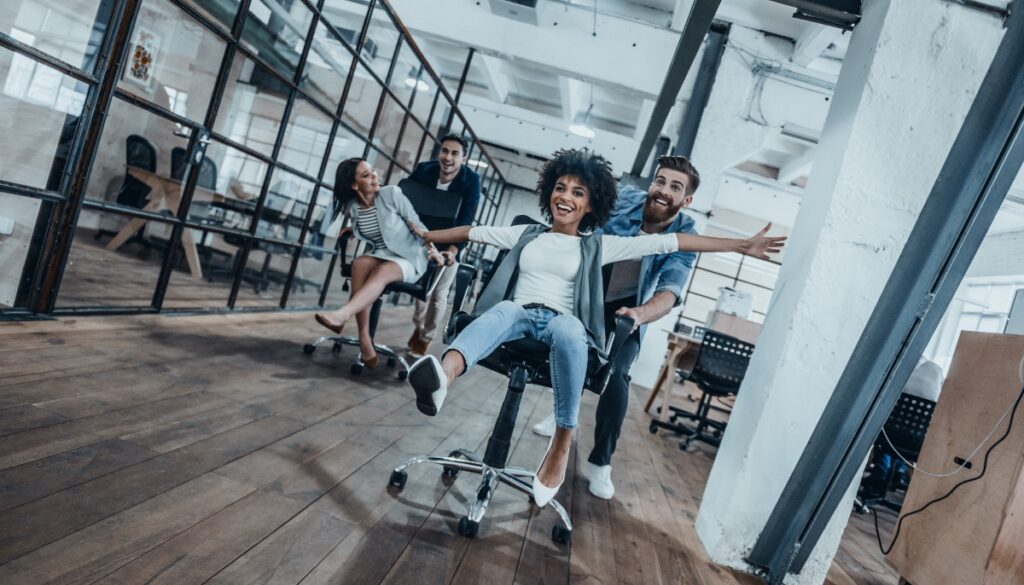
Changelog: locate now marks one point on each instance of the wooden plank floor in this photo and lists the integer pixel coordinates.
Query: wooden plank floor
(210, 449)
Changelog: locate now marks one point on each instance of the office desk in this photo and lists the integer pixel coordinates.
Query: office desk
(682, 351)
(165, 192)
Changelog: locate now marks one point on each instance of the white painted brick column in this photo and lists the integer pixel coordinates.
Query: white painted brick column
(911, 72)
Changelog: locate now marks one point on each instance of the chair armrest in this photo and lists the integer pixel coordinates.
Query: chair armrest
(464, 279)
(623, 328)
(343, 239)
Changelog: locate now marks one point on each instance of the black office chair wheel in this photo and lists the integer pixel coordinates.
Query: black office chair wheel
(336, 348)
(308, 348)
(653, 427)
(449, 473)
(356, 369)
(398, 479)
(560, 534)
(468, 528)
(403, 375)
(392, 362)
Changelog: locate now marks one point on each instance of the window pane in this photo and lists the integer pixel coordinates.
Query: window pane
(345, 145)
(276, 30)
(404, 80)
(265, 273)
(96, 276)
(707, 283)
(310, 276)
(70, 30)
(758, 271)
(698, 308)
(424, 98)
(229, 184)
(172, 60)
(284, 209)
(381, 43)
(362, 101)
(134, 165)
(221, 12)
(253, 106)
(390, 124)
(728, 264)
(762, 296)
(305, 138)
(326, 69)
(23, 211)
(346, 16)
(39, 115)
(408, 152)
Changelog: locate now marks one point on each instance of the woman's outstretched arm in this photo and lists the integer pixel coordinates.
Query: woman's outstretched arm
(758, 245)
(453, 235)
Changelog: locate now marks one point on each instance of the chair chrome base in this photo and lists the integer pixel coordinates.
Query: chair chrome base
(392, 357)
(517, 478)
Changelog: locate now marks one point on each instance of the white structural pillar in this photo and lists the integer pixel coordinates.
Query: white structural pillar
(910, 75)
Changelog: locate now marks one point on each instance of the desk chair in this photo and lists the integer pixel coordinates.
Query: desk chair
(139, 153)
(524, 361)
(437, 210)
(906, 427)
(721, 365)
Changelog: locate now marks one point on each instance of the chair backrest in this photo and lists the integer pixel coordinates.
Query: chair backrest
(437, 209)
(140, 153)
(908, 422)
(721, 363)
(207, 169)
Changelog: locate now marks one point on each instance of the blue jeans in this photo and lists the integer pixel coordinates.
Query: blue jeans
(564, 334)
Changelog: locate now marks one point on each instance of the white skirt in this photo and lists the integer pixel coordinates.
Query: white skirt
(409, 273)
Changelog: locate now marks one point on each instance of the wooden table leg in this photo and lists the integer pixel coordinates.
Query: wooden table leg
(664, 376)
(191, 253)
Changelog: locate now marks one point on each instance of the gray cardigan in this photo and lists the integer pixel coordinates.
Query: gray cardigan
(588, 292)
(393, 208)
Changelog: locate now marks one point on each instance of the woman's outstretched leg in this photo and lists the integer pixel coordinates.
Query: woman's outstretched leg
(430, 377)
(567, 338)
(369, 277)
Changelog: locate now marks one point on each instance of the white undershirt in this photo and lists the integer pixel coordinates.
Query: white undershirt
(444, 186)
(549, 264)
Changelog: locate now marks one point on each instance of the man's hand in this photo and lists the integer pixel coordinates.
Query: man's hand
(449, 258)
(633, 313)
(759, 245)
(436, 256)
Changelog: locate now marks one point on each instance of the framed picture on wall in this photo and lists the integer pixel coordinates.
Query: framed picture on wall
(142, 58)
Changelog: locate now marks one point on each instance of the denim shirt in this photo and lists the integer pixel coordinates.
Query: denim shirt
(658, 272)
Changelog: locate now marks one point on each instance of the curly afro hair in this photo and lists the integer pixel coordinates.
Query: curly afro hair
(591, 169)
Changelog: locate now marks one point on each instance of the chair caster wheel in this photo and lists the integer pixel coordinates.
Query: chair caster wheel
(403, 375)
(392, 362)
(653, 428)
(336, 348)
(356, 369)
(468, 528)
(560, 534)
(449, 473)
(398, 479)
(308, 348)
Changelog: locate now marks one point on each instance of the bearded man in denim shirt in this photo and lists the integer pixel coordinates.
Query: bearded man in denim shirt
(644, 290)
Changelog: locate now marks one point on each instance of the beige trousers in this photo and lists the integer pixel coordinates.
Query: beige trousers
(427, 314)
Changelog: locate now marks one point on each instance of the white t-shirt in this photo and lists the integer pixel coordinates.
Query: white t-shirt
(444, 186)
(549, 264)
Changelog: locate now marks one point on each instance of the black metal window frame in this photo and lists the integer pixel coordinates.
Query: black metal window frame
(102, 88)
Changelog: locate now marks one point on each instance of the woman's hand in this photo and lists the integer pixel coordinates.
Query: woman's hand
(760, 246)
(416, 229)
(433, 254)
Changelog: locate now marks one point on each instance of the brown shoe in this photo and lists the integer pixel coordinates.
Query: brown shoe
(322, 319)
(418, 348)
(370, 363)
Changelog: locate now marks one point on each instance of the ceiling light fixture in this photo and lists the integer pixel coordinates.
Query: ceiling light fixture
(479, 164)
(417, 84)
(581, 124)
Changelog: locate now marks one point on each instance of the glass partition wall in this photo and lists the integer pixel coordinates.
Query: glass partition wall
(179, 155)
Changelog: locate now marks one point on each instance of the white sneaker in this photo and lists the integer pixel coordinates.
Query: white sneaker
(601, 485)
(546, 427)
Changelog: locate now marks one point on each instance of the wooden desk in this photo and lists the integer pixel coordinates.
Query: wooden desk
(165, 193)
(680, 347)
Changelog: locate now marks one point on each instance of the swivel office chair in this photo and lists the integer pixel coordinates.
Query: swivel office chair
(906, 428)
(721, 365)
(524, 361)
(437, 210)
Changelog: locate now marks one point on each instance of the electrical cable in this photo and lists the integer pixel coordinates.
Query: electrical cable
(984, 467)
